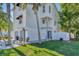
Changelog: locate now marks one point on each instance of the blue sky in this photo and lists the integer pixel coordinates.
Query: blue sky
(4, 9)
(58, 6)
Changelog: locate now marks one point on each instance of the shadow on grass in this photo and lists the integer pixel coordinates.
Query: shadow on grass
(49, 45)
(6, 52)
(11, 52)
(19, 52)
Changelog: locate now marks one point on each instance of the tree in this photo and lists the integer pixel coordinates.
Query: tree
(3, 23)
(35, 9)
(9, 21)
(69, 16)
(3, 19)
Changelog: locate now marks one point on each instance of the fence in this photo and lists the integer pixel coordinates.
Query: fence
(60, 36)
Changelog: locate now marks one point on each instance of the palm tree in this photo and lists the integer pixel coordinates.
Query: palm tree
(3, 20)
(9, 21)
(35, 9)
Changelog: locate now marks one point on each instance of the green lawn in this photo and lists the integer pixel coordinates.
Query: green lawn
(50, 48)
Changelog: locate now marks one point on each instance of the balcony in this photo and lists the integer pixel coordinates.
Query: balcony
(46, 18)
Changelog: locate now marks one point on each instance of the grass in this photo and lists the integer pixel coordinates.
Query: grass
(50, 48)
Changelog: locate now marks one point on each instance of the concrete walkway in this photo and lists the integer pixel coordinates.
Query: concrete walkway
(2, 45)
(14, 44)
(8, 47)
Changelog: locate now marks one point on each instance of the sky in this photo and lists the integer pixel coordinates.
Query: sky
(58, 6)
(4, 9)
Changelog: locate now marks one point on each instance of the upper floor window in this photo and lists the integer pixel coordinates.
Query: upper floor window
(18, 4)
(49, 9)
(43, 8)
(20, 19)
(54, 22)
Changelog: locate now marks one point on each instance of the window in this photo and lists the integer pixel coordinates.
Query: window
(43, 21)
(43, 9)
(54, 22)
(20, 19)
(49, 9)
(18, 4)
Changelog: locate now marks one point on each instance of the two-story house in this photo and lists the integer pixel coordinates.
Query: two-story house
(25, 22)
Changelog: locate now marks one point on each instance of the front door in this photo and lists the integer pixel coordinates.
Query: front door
(22, 34)
(49, 34)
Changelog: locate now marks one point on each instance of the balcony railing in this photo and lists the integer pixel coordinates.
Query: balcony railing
(46, 27)
(46, 18)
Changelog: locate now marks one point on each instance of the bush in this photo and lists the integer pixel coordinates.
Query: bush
(5, 37)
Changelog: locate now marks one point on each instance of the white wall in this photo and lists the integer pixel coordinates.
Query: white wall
(59, 35)
(31, 23)
(51, 22)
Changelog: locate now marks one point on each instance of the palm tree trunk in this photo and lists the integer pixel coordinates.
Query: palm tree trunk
(38, 28)
(24, 41)
(47, 29)
(8, 13)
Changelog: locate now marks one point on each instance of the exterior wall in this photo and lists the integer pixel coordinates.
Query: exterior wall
(51, 25)
(30, 24)
(43, 30)
(19, 27)
(56, 18)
